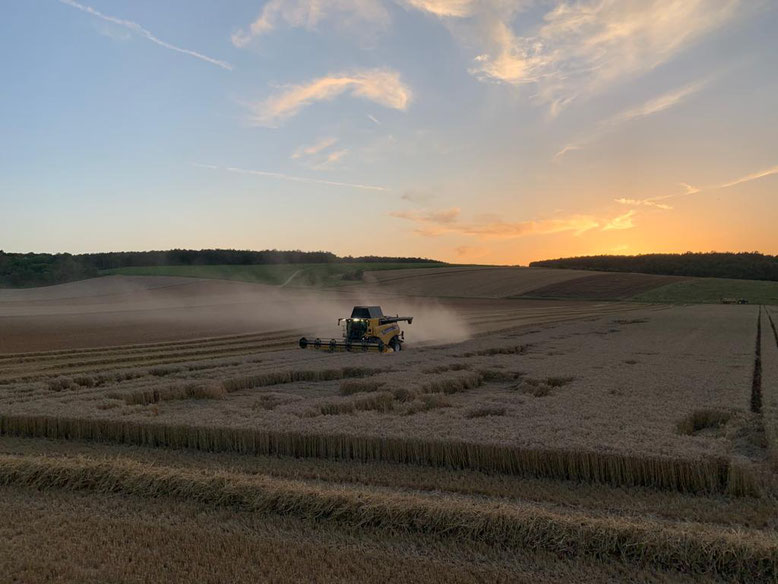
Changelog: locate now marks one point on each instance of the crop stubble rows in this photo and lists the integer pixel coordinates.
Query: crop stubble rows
(488, 367)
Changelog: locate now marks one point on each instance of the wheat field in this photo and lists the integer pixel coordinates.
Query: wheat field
(552, 440)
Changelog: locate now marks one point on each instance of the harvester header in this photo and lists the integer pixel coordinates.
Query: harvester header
(367, 329)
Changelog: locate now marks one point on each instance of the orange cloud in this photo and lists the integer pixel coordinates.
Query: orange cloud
(377, 85)
(309, 14)
(444, 217)
(621, 222)
(582, 47)
(643, 203)
(446, 8)
(436, 223)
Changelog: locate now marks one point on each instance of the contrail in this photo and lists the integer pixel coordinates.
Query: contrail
(137, 28)
(280, 176)
(750, 177)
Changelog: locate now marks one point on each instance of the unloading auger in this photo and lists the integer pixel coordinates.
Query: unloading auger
(367, 329)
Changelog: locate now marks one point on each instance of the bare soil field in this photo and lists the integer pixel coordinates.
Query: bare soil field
(513, 440)
(604, 286)
(470, 282)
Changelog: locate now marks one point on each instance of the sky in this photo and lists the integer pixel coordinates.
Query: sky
(470, 131)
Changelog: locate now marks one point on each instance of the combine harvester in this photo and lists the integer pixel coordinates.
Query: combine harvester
(367, 329)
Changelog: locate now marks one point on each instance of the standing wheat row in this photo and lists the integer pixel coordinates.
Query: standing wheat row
(686, 475)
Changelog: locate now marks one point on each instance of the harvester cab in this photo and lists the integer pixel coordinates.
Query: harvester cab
(367, 329)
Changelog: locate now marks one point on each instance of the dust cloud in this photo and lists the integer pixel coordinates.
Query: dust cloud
(124, 310)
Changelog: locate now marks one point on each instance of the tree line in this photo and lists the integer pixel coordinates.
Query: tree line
(43, 269)
(741, 266)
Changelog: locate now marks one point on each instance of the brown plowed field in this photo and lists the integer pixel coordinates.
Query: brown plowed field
(470, 282)
(603, 286)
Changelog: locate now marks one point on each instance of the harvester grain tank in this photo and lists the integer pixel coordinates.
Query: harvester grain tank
(367, 329)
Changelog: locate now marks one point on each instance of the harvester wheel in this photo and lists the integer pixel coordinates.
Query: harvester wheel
(396, 345)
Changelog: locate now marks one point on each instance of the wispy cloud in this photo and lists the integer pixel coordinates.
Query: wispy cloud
(692, 190)
(621, 222)
(320, 155)
(138, 29)
(648, 108)
(373, 119)
(443, 217)
(577, 48)
(331, 158)
(448, 8)
(287, 177)
(436, 223)
(310, 13)
(750, 177)
(377, 85)
(642, 203)
(583, 47)
(315, 148)
(657, 104)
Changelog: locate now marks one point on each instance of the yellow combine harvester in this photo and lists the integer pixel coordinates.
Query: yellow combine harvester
(367, 329)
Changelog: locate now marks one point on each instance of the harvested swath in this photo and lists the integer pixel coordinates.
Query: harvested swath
(543, 387)
(453, 383)
(427, 402)
(182, 542)
(702, 420)
(381, 401)
(604, 286)
(448, 367)
(742, 556)
(146, 348)
(34, 370)
(724, 512)
(485, 412)
(175, 391)
(292, 376)
(509, 350)
(97, 380)
(708, 475)
(499, 375)
(559, 380)
(352, 386)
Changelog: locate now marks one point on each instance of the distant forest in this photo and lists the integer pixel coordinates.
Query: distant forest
(741, 266)
(43, 269)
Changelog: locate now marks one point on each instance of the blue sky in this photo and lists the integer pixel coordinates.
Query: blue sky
(489, 131)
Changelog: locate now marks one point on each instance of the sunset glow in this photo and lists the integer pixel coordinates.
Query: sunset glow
(462, 130)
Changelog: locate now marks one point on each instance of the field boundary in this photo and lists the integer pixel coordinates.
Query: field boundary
(756, 384)
(708, 475)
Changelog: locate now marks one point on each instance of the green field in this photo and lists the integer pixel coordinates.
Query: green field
(331, 274)
(712, 290)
